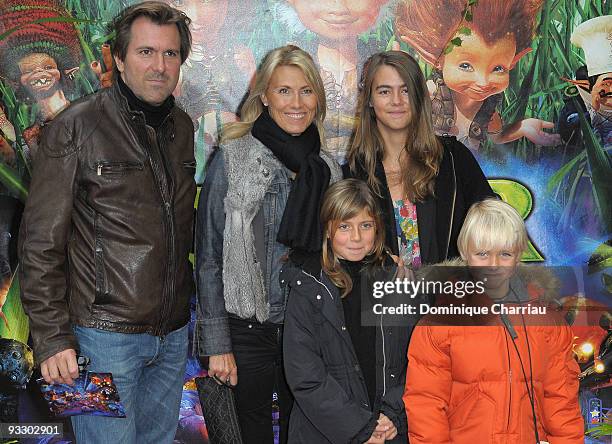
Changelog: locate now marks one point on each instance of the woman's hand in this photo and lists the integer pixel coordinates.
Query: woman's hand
(223, 369)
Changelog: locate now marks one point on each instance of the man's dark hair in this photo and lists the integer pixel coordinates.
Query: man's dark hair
(160, 14)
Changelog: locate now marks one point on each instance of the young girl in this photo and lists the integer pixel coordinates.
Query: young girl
(472, 50)
(491, 382)
(347, 379)
(424, 184)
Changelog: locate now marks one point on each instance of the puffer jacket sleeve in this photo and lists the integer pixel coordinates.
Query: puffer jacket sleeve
(212, 335)
(44, 234)
(317, 393)
(561, 412)
(428, 385)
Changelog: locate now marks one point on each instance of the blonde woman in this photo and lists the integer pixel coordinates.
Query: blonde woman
(261, 197)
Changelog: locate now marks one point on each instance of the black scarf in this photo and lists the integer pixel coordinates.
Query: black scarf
(154, 115)
(300, 227)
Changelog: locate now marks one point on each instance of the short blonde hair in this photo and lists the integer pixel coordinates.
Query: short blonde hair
(289, 55)
(492, 223)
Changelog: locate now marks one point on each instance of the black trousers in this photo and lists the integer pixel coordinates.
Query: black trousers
(258, 352)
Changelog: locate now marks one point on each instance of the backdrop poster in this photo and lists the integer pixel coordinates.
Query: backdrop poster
(525, 84)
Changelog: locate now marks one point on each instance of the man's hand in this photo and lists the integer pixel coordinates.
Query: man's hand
(223, 368)
(61, 368)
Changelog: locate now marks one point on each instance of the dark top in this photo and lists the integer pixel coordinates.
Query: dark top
(154, 115)
(363, 338)
(460, 183)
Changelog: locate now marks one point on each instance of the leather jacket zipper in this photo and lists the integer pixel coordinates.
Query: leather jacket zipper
(104, 167)
(171, 241)
(156, 161)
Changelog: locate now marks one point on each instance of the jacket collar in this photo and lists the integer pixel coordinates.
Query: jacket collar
(331, 306)
(124, 107)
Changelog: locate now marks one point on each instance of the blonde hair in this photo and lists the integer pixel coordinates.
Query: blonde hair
(424, 151)
(342, 201)
(289, 55)
(492, 223)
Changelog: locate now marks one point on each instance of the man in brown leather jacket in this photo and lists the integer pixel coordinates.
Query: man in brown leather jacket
(107, 232)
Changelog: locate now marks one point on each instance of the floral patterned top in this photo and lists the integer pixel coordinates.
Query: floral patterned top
(407, 232)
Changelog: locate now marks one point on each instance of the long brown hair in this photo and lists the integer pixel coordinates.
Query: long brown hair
(342, 201)
(424, 152)
(289, 55)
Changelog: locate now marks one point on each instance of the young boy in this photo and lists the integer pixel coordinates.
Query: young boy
(495, 383)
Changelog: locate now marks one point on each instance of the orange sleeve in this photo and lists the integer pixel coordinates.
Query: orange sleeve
(561, 411)
(428, 385)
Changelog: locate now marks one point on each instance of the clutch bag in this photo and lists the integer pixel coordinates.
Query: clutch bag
(219, 408)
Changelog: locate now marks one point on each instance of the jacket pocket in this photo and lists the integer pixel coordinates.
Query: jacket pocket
(110, 168)
(473, 416)
(340, 374)
(460, 411)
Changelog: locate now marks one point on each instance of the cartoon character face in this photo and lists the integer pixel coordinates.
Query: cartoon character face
(390, 100)
(39, 75)
(601, 93)
(153, 60)
(338, 19)
(354, 238)
(478, 70)
(206, 16)
(291, 100)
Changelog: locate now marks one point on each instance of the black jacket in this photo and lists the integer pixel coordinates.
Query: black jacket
(459, 179)
(331, 399)
(107, 229)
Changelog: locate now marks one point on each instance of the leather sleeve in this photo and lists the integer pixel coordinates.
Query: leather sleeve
(44, 234)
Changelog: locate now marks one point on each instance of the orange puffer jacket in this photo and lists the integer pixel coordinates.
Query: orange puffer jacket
(465, 384)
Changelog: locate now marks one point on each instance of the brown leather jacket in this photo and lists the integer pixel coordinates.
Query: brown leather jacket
(107, 229)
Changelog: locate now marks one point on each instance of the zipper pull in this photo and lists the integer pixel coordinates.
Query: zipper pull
(99, 169)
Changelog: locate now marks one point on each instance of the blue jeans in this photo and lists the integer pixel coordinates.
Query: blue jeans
(148, 371)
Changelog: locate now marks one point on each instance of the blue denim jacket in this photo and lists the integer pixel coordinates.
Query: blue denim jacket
(212, 328)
